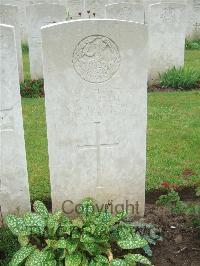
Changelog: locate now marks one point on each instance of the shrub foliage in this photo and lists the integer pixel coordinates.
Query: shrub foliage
(54, 239)
(183, 78)
(32, 88)
(192, 44)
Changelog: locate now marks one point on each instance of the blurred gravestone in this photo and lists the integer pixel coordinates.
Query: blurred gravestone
(125, 11)
(37, 16)
(196, 20)
(14, 189)
(9, 15)
(167, 30)
(95, 8)
(76, 9)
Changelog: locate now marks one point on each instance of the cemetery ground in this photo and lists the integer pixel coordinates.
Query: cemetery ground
(173, 158)
(173, 137)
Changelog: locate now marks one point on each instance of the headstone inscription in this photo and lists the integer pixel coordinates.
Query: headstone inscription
(14, 189)
(37, 16)
(96, 121)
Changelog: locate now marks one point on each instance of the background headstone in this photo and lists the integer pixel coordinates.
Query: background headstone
(125, 11)
(96, 121)
(9, 15)
(167, 28)
(22, 15)
(148, 3)
(75, 9)
(125, 1)
(196, 20)
(37, 16)
(14, 189)
(96, 8)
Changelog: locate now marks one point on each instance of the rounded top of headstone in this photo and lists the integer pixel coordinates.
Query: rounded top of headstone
(96, 58)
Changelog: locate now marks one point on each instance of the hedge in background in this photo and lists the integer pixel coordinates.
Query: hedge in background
(192, 44)
(32, 88)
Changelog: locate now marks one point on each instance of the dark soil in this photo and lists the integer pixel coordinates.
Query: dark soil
(181, 242)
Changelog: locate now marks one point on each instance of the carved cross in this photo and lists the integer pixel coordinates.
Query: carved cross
(98, 146)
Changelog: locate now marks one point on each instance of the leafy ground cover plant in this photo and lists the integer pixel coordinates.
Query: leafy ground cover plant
(192, 44)
(149, 232)
(54, 239)
(173, 201)
(8, 246)
(32, 88)
(183, 78)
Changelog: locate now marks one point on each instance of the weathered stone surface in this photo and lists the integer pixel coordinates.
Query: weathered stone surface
(196, 20)
(9, 15)
(167, 30)
(37, 16)
(125, 11)
(14, 191)
(96, 8)
(125, 1)
(76, 9)
(96, 108)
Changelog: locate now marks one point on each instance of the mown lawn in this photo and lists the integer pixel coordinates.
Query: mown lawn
(173, 138)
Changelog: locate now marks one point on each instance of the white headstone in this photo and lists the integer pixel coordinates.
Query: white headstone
(148, 3)
(196, 20)
(21, 9)
(75, 9)
(95, 8)
(125, 11)
(14, 189)
(9, 15)
(37, 16)
(96, 116)
(125, 1)
(167, 29)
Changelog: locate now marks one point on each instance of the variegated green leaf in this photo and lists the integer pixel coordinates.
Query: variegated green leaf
(133, 242)
(21, 255)
(92, 248)
(87, 207)
(71, 245)
(56, 244)
(34, 220)
(131, 258)
(23, 240)
(73, 259)
(16, 225)
(119, 262)
(101, 259)
(38, 258)
(84, 261)
(53, 222)
(78, 222)
(41, 209)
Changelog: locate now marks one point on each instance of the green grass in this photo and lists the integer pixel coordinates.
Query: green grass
(26, 64)
(173, 136)
(36, 147)
(192, 59)
(173, 140)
